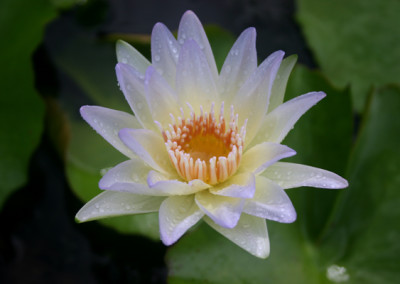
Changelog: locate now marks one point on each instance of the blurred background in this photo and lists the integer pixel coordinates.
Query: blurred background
(57, 55)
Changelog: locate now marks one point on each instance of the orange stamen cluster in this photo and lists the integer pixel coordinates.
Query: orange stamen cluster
(200, 147)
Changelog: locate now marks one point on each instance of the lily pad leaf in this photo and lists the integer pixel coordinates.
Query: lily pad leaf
(21, 109)
(355, 42)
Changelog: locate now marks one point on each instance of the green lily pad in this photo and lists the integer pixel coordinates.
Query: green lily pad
(322, 138)
(355, 42)
(21, 109)
(368, 213)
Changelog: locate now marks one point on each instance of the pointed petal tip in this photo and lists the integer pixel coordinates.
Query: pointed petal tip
(279, 54)
(228, 223)
(120, 43)
(340, 183)
(83, 111)
(250, 31)
(166, 240)
(263, 253)
(290, 217)
(77, 220)
(158, 25)
(320, 95)
(189, 13)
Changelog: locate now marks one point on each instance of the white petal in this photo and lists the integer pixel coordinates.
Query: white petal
(134, 176)
(131, 82)
(239, 65)
(110, 204)
(149, 146)
(289, 175)
(163, 184)
(129, 176)
(250, 234)
(240, 185)
(108, 122)
(191, 28)
(261, 156)
(281, 79)
(251, 101)
(127, 54)
(161, 98)
(277, 124)
(224, 211)
(194, 81)
(164, 52)
(177, 215)
(270, 202)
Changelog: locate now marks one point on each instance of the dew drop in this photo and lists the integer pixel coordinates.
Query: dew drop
(157, 58)
(337, 273)
(124, 60)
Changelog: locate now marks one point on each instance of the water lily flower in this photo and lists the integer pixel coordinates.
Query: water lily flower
(202, 144)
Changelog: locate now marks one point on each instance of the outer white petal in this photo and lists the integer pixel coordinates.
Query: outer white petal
(277, 124)
(224, 211)
(127, 54)
(289, 175)
(164, 52)
(194, 81)
(149, 146)
(131, 82)
(239, 65)
(251, 101)
(261, 156)
(281, 79)
(250, 234)
(177, 215)
(161, 98)
(134, 176)
(108, 122)
(129, 176)
(270, 202)
(190, 27)
(110, 204)
(163, 184)
(240, 185)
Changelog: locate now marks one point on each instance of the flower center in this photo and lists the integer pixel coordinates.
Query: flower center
(200, 147)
